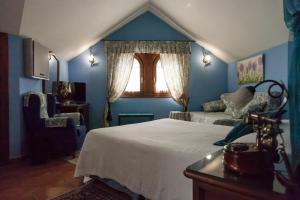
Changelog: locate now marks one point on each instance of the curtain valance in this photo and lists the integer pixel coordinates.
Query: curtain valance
(174, 47)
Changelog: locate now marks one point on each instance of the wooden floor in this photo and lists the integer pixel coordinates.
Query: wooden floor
(20, 180)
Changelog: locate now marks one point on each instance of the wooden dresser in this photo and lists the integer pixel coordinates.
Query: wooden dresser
(83, 108)
(212, 181)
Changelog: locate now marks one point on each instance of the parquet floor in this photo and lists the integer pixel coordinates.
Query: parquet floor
(20, 180)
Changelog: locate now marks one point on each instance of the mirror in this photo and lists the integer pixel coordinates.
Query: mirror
(54, 67)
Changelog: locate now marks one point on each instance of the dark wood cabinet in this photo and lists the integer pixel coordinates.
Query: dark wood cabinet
(212, 181)
(83, 108)
(4, 100)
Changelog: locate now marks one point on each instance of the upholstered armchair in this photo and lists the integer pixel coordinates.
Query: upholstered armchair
(77, 117)
(50, 134)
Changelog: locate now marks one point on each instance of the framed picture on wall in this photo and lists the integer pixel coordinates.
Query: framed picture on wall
(251, 70)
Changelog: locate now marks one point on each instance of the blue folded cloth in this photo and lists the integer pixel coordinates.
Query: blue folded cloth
(239, 130)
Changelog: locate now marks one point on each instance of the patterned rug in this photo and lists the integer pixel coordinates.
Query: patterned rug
(94, 190)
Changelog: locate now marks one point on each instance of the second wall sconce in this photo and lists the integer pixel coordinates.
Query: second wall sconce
(206, 59)
(91, 58)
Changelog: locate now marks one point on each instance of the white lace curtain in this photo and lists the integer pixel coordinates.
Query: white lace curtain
(175, 59)
(176, 74)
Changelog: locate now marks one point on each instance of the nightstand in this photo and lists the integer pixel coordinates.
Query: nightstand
(212, 181)
(185, 116)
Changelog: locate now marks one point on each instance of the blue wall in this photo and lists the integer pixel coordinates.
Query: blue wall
(275, 62)
(18, 85)
(146, 27)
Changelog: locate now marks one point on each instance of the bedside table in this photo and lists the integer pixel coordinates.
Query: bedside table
(185, 116)
(212, 181)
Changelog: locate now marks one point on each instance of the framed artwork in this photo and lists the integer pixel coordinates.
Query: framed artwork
(251, 70)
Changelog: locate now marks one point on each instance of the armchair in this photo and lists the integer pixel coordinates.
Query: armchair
(77, 118)
(48, 134)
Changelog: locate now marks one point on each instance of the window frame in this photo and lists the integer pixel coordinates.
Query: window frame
(148, 64)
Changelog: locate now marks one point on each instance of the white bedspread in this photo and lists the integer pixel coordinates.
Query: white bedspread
(149, 158)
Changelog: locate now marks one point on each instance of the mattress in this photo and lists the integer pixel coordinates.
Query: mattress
(149, 158)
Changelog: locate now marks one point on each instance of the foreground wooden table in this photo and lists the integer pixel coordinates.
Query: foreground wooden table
(212, 181)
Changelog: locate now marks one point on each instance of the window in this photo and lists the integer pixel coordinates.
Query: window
(146, 78)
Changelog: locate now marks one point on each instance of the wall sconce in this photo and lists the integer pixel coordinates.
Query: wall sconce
(206, 59)
(91, 58)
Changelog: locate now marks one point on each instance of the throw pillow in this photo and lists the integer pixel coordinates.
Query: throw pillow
(252, 106)
(214, 106)
(241, 97)
(228, 110)
(237, 100)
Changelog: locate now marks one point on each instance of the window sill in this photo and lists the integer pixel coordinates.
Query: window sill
(147, 96)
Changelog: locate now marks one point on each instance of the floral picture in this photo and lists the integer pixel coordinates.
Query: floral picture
(251, 70)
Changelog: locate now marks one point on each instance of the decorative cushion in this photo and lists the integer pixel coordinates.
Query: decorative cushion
(260, 102)
(228, 109)
(273, 103)
(231, 109)
(239, 98)
(214, 106)
(252, 106)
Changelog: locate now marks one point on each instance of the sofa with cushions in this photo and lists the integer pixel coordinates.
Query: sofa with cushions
(224, 112)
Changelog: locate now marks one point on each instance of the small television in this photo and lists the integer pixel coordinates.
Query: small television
(70, 91)
(78, 92)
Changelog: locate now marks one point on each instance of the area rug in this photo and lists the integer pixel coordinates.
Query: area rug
(94, 190)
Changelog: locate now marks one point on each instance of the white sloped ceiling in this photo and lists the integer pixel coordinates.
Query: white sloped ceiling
(238, 27)
(231, 29)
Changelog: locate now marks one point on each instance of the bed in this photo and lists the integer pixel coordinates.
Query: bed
(149, 158)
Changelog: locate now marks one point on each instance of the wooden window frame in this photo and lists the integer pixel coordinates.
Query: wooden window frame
(147, 77)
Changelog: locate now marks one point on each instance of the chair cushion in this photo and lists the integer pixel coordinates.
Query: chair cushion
(74, 116)
(56, 122)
